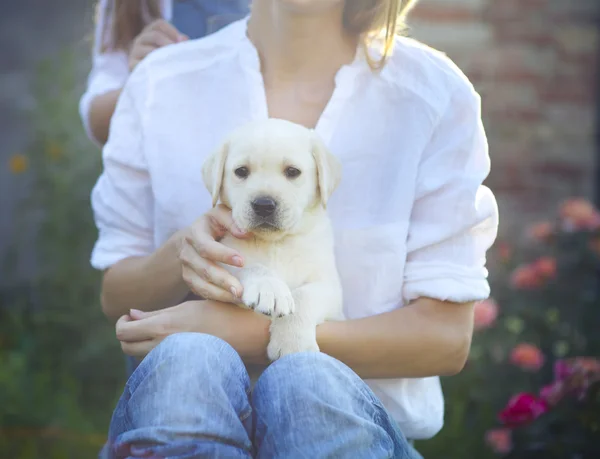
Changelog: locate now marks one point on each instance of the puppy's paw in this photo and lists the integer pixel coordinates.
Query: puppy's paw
(269, 296)
(288, 337)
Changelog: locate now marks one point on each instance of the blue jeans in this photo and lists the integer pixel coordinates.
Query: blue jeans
(191, 398)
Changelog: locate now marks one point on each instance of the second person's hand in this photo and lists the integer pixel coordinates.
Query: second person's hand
(155, 35)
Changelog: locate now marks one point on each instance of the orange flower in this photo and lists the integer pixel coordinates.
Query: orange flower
(546, 267)
(18, 163)
(527, 356)
(486, 313)
(526, 277)
(500, 440)
(540, 232)
(580, 213)
(54, 150)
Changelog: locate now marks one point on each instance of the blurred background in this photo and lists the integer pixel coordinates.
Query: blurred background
(530, 388)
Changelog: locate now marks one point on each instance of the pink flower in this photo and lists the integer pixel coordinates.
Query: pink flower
(540, 232)
(527, 356)
(562, 370)
(522, 409)
(486, 313)
(553, 393)
(580, 214)
(572, 377)
(532, 276)
(526, 277)
(500, 440)
(545, 267)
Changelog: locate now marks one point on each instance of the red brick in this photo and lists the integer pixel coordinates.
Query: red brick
(501, 10)
(526, 32)
(572, 91)
(435, 13)
(561, 169)
(536, 67)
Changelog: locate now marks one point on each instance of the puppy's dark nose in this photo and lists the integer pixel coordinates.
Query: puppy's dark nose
(264, 206)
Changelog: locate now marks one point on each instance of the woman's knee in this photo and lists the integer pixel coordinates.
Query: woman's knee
(312, 372)
(195, 354)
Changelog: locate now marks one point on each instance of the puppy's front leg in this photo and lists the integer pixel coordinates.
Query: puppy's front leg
(264, 292)
(297, 332)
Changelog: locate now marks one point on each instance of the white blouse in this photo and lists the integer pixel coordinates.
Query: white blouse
(411, 216)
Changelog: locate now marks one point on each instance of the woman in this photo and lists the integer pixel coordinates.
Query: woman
(127, 31)
(412, 222)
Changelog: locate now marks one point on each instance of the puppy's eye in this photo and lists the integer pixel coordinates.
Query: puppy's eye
(242, 172)
(292, 172)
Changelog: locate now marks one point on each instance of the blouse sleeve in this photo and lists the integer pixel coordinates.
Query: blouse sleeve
(122, 199)
(454, 220)
(110, 69)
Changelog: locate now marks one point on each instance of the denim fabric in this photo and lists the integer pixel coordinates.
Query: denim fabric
(197, 18)
(191, 397)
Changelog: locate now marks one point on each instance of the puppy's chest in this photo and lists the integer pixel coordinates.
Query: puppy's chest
(292, 262)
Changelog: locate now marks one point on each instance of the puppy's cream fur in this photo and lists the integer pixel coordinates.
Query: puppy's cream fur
(290, 272)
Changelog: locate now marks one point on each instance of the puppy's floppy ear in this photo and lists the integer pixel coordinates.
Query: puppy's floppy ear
(212, 172)
(329, 169)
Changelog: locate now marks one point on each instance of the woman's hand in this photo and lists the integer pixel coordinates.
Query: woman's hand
(140, 332)
(201, 250)
(155, 35)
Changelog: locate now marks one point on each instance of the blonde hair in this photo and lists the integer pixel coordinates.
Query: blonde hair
(379, 20)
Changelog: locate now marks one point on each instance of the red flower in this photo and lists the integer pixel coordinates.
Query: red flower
(500, 440)
(486, 313)
(527, 356)
(522, 409)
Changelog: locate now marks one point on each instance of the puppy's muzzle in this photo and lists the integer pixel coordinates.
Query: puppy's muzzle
(265, 213)
(264, 207)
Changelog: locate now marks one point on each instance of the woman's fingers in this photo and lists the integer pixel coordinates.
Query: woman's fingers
(139, 348)
(201, 252)
(136, 314)
(207, 290)
(221, 221)
(209, 270)
(204, 276)
(212, 250)
(128, 329)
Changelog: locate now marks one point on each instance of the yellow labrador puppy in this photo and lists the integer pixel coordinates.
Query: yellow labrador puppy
(277, 176)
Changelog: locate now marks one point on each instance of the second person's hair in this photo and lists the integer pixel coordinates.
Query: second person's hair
(127, 19)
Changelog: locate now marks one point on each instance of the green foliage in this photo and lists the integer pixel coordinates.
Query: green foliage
(60, 367)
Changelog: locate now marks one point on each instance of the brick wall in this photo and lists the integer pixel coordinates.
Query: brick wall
(533, 62)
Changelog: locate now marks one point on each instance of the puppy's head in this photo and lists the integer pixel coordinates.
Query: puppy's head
(271, 174)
